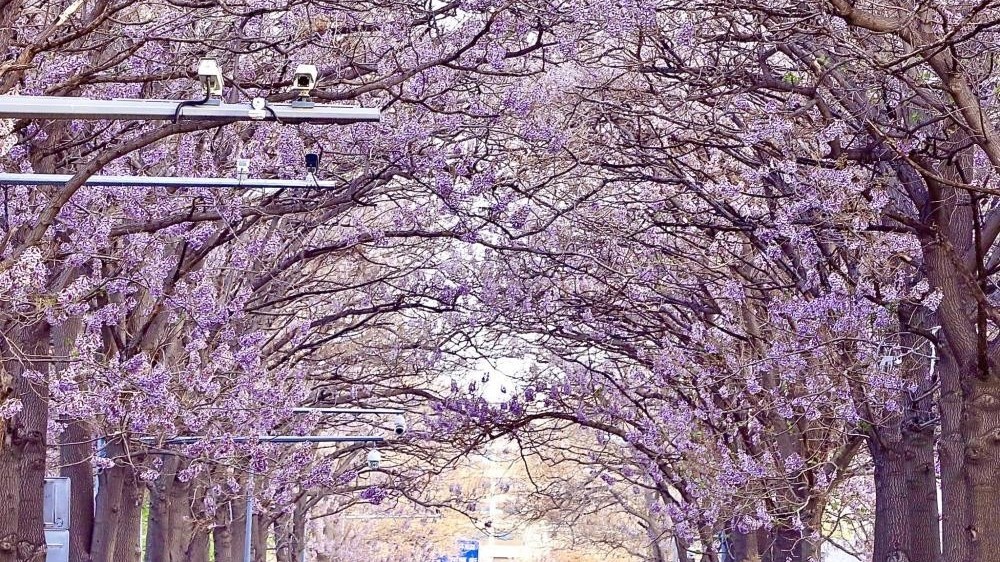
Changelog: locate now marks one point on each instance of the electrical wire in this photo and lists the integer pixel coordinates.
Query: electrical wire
(190, 103)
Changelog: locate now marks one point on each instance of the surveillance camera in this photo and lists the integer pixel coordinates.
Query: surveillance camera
(374, 459)
(305, 79)
(210, 76)
(312, 162)
(242, 168)
(400, 425)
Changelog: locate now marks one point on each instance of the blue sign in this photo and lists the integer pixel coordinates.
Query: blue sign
(468, 551)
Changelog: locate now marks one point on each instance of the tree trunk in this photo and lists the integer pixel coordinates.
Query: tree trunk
(197, 550)
(22, 449)
(290, 530)
(921, 492)
(75, 451)
(741, 547)
(106, 516)
(261, 525)
(301, 516)
(682, 549)
(951, 454)
(222, 535)
(170, 530)
(981, 428)
(284, 538)
(238, 526)
(127, 547)
(892, 524)
(119, 510)
(784, 544)
(159, 519)
(181, 529)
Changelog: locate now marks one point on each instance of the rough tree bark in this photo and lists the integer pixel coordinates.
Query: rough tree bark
(22, 449)
(892, 525)
(222, 535)
(261, 524)
(946, 255)
(170, 529)
(238, 526)
(921, 481)
(290, 533)
(76, 449)
(118, 510)
(75, 454)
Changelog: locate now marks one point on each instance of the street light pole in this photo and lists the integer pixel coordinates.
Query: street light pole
(248, 539)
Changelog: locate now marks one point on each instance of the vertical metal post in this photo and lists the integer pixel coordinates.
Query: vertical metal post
(248, 542)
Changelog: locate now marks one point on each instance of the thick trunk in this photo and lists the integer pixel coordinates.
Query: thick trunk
(76, 448)
(290, 531)
(200, 535)
(682, 549)
(159, 519)
(783, 544)
(197, 550)
(741, 547)
(951, 455)
(921, 495)
(222, 536)
(284, 538)
(301, 516)
(981, 429)
(127, 547)
(35, 416)
(181, 531)
(108, 511)
(923, 536)
(22, 449)
(118, 512)
(261, 526)
(953, 265)
(892, 525)
(170, 530)
(10, 474)
(239, 534)
(75, 453)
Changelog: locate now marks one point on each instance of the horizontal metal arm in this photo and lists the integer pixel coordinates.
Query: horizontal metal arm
(143, 181)
(271, 439)
(51, 107)
(357, 411)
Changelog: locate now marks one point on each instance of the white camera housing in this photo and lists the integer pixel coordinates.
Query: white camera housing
(257, 111)
(374, 459)
(210, 76)
(304, 79)
(242, 168)
(399, 426)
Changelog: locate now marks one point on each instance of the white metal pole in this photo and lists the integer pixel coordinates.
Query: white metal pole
(45, 107)
(247, 542)
(153, 181)
(357, 411)
(272, 439)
